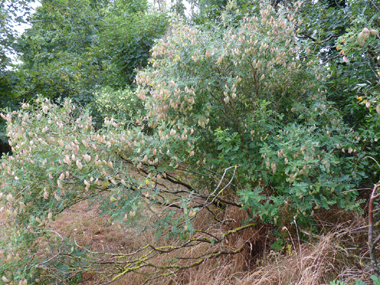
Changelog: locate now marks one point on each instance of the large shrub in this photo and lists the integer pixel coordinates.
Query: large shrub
(235, 115)
(253, 99)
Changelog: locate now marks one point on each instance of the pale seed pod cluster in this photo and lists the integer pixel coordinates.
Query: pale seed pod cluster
(196, 75)
(364, 34)
(48, 142)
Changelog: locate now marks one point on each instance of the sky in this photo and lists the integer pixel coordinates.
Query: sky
(20, 28)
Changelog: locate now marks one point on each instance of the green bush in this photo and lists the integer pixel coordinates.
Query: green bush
(48, 171)
(252, 99)
(360, 104)
(118, 104)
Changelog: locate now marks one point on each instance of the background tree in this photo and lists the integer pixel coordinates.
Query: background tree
(12, 14)
(75, 46)
(130, 30)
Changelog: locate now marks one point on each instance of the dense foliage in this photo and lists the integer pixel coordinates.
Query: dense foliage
(13, 14)
(252, 103)
(75, 46)
(265, 108)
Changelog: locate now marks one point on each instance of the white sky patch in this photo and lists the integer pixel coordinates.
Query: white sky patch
(165, 5)
(20, 29)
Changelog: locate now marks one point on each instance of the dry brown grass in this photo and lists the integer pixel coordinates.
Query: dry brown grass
(312, 264)
(87, 228)
(212, 271)
(318, 261)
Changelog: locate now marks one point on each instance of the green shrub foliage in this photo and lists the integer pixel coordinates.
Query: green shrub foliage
(250, 96)
(119, 104)
(240, 109)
